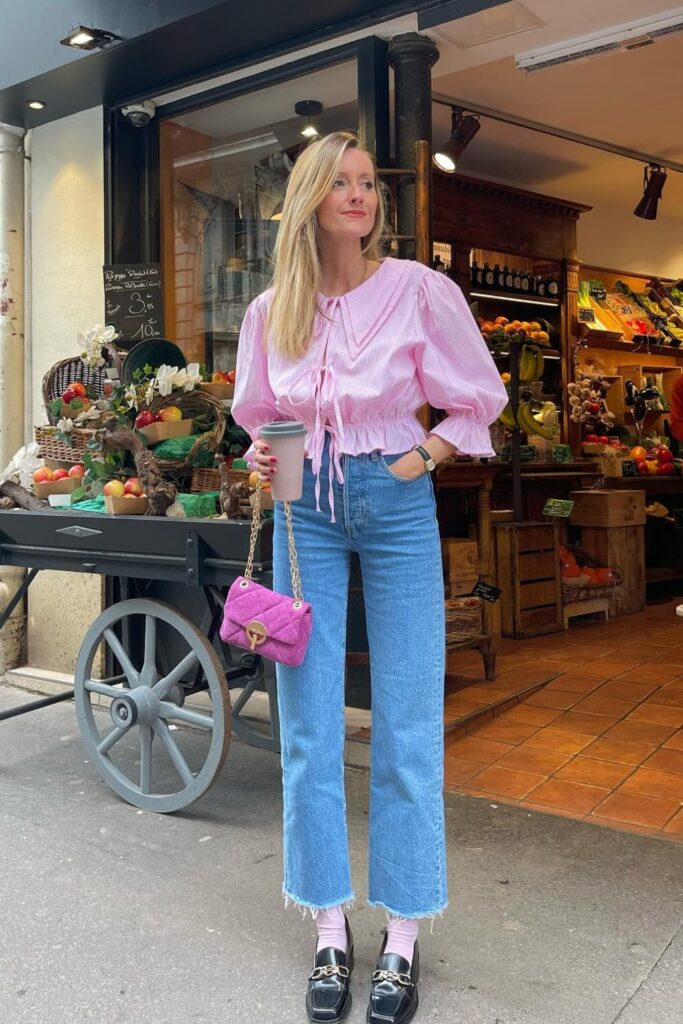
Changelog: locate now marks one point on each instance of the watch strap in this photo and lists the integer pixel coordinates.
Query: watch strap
(428, 459)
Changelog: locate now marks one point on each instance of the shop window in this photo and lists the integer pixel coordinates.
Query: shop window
(223, 174)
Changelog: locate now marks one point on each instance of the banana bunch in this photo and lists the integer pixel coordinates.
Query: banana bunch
(530, 364)
(544, 422)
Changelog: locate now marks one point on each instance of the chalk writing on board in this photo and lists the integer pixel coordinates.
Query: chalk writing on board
(133, 300)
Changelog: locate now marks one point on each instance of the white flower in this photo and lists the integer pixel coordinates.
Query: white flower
(193, 376)
(91, 344)
(65, 425)
(130, 397)
(165, 379)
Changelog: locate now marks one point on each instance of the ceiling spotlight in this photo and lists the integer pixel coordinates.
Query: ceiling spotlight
(654, 178)
(308, 109)
(36, 104)
(463, 129)
(82, 38)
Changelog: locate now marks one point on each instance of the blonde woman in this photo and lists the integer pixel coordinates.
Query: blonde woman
(352, 344)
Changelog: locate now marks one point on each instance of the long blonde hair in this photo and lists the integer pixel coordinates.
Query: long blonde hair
(296, 280)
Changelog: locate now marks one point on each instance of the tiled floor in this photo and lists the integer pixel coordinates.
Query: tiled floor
(601, 742)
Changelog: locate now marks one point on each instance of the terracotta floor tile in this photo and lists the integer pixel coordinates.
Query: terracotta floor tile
(645, 651)
(457, 770)
(574, 682)
(558, 739)
(589, 725)
(460, 708)
(625, 691)
(507, 732)
(619, 751)
(471, 748)
(592, 772)
(481, 695)
(647, 782)
(666, 761)
(638, 810)
(534, 759)
(650, 673)
(676, 741)
(507, 782)
(656, 714)
(676, 824)
(670, 697)
(608, 707)
(571, 796)
(640, 732)
(557, 812)
(530, 715)
(553, 699)
(670, 657)
(601, 670)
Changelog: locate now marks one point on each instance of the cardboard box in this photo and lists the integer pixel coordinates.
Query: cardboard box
(220, 391)
(608, 508)
(125, 506)
(47, 487)
(460, 558)
(456, 588)
(157, 432)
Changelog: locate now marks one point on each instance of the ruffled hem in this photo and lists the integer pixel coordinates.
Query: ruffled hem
(470, 436)
(389, 436)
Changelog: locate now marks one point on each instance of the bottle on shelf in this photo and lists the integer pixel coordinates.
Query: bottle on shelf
(553, 287)
(526, 283)
(517, 281)
(438, 265)
(474, 268)
(509, 279)
(542, 286)
(533, 284)
(489, 276)
(500, 278)
(479, 276)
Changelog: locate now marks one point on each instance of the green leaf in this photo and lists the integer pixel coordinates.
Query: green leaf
(77, 495)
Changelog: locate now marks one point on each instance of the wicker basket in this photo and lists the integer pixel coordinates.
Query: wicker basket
(50, 447)
(66, 372)
(208, 479)
(193, 404)
(580, 591)
(463, 619)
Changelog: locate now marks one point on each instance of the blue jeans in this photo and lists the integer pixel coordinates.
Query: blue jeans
(391, 524)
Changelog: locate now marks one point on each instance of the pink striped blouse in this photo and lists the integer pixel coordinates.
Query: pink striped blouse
(378, 353)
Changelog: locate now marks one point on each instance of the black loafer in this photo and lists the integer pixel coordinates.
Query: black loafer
(393, 995)
(328, 996)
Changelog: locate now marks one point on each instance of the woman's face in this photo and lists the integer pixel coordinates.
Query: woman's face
(349, 210)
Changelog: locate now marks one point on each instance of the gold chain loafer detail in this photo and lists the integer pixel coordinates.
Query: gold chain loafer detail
(393, 995)
(328, 995)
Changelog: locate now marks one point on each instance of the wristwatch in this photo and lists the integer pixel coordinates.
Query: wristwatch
(428, 460)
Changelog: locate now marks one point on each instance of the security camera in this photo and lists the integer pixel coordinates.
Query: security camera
(139, 114)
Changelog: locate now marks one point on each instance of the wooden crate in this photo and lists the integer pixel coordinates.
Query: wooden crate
(528, 561)
(622, 548)
(608, 508)
(460, 558)
(465, 585)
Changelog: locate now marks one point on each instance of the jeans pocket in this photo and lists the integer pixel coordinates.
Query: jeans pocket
(386, 461)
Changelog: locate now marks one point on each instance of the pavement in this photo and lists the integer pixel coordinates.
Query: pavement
(111, 915)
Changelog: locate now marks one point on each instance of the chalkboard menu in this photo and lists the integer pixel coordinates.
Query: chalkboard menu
(133, 301)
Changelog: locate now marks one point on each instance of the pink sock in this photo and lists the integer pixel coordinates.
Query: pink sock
(331, 925)
(401, 936)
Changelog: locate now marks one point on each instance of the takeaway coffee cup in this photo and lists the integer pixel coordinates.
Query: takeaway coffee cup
(286, 440)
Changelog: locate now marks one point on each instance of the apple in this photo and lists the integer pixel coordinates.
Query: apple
(144, 419)
(133, 487)
(60, 474)
(231, 377)
(114, 488)
(78, 470)
(69, 395)
(129, 495)
(171, 414)
(219, 377)
(42, 474)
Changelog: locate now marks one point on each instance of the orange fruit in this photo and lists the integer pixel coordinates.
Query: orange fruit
(638, 452)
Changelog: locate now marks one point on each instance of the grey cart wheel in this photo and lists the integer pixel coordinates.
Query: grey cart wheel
(139, 739)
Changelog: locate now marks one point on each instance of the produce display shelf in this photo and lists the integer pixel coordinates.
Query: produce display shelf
(629, 346)
(531, 300)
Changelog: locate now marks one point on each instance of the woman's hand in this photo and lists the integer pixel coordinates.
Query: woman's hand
(264, 461)
(409, 466)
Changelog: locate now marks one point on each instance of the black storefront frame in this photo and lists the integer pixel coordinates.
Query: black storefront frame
(131, 155)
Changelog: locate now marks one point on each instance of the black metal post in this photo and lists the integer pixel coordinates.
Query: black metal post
(412, 57)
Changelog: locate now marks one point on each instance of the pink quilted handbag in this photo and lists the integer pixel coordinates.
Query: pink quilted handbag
(276, 625)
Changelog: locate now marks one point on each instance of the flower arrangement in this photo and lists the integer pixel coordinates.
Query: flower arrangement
(148, 385)
(93, 341)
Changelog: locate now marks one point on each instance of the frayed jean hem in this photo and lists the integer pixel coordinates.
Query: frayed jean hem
(392, 912)
(303, 907)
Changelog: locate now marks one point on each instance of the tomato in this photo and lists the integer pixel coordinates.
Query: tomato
(591, 438)
(641, 466)
(603, 439)
(665, 469)
(665, 454)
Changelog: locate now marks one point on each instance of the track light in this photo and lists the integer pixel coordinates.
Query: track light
(309, 109)
(654, 178)
(82, 38)
(463, 129)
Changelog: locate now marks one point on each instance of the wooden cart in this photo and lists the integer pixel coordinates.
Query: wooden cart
(157, 658)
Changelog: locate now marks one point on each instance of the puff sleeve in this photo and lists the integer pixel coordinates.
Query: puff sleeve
(254, 402)
(455, 368)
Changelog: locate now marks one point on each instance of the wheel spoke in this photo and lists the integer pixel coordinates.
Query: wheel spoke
(108, 742)
(149, 664)
(146, 737)
(121, 656)
(95, 686)
(174, 752)
(163, 687)
(168, 710)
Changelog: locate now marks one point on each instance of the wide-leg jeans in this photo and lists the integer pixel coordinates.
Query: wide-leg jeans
(391, 523)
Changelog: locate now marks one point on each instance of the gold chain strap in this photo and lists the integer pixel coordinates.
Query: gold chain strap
(293, 561)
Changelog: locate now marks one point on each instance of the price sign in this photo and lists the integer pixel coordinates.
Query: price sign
(598, 293)
(586, 316)
(558, 507)
(133, 301)
(486, 591)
